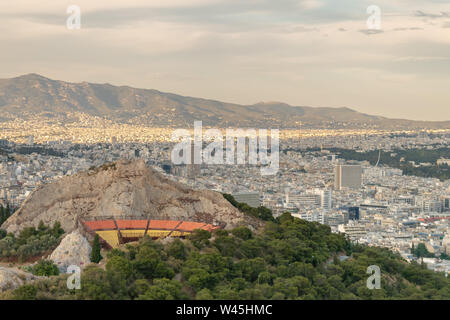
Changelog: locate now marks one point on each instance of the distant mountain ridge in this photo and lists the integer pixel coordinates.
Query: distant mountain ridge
(35, 94)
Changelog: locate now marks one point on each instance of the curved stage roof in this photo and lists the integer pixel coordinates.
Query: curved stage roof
(113, 232)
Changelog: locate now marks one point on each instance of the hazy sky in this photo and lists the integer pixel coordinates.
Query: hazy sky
(303, 52)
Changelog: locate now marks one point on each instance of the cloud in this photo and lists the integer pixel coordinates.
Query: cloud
(420, 13)
(311, 4)
(421, 58)
(370, 31)
(408, 29)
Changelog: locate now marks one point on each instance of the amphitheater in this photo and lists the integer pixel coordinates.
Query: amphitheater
(112, 231)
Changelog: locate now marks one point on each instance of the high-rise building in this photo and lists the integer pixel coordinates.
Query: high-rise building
(353, 213)
(324, 198)
(354, 231)
(347, 176)
(304, 199)
(445, 203)
(431, 206)
(311, 217)
(194, 166)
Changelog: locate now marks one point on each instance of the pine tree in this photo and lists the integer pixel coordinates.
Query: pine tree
(2, 215)
(95, 255)
(41, 226)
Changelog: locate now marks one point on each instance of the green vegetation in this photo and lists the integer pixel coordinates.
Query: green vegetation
(25, 292)
(96, 257)
(421, 251)
(444, 256)
(288, 259)
(45, 268)
(261, 212)
(30, 242)
(5, 213)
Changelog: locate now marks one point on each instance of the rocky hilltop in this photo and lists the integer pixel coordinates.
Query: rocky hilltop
(122, 189)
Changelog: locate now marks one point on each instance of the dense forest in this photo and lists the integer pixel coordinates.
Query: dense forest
(288, 259)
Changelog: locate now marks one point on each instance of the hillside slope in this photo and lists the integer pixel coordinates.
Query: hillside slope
(34, 94)
(289, 259)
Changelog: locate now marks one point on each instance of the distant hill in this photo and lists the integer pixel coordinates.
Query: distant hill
(35, 94)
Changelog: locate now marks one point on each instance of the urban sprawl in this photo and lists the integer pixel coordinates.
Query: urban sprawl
(372, 204)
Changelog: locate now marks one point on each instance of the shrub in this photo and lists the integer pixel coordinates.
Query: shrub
(45, 268)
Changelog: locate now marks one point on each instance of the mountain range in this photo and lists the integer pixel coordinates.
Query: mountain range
(33, 94)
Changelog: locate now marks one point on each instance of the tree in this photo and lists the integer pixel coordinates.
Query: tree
(26, 292)
(204, 294)
(29, 243)
(148, 264)
(57, 231)
(226, 245)
(95, 284)
(421, 251)
(200, 238)
(95, 254)
(4, 213)
(45, 268)
(119, 265)
(242, 232)
(177, 249)
(289, 259)
(163, 289)
(42, 227)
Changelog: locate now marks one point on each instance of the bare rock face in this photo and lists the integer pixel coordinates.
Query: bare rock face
(12, 278)
(122, 189)
(74, 249)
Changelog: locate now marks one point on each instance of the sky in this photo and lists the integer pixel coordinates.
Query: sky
(318, 53)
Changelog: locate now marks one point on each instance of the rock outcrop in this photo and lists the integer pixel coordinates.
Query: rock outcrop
(122, 189)
(74, 249)
(12, 278)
